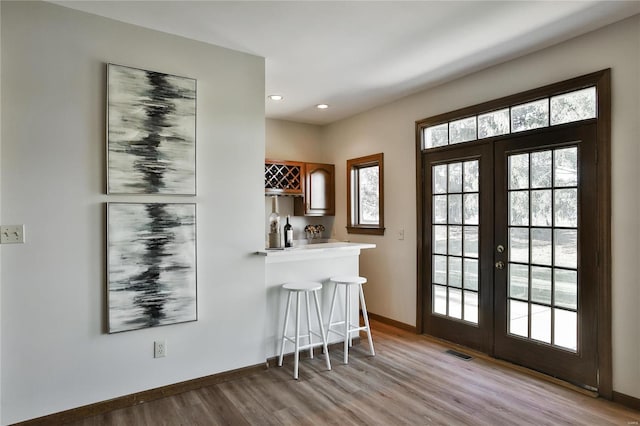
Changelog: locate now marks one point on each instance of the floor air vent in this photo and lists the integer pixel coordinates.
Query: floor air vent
(459, 355)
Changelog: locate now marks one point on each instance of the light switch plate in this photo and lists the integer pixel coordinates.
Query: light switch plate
(12, 234)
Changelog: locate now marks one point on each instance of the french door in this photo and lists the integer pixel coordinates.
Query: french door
(458, 241)
(509, 249)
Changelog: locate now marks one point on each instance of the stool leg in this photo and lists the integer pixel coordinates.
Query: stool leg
(324, 336)
(366, 321)
(347, 311)
(333, 305)
(297, 338)
(306, 297)
(284, 329)
(351, 326)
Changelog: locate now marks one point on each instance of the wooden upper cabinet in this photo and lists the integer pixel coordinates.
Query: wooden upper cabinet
(319, 191)
(283, 177)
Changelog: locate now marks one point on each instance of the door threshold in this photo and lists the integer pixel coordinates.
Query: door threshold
(532, 373)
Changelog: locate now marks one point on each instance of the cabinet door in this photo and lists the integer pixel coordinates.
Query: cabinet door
(319, 194)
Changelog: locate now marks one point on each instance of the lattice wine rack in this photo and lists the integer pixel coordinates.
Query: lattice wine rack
(283, 177)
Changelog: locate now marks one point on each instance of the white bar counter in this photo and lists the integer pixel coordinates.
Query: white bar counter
(313, 251)
(311, 262)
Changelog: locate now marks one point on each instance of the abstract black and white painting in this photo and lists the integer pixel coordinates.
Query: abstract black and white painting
(151, 264)
(151, 132)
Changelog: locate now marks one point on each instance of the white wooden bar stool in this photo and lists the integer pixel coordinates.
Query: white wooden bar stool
(305, 287)
(348, 328)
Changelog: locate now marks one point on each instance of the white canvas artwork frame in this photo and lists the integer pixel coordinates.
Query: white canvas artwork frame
(151, 265)
(151, 132)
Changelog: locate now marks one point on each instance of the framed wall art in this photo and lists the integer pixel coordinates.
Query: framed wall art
(151, 265)
(151, 132)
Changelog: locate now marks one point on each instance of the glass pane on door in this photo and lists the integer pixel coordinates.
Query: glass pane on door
(455, 230)
(543, 246)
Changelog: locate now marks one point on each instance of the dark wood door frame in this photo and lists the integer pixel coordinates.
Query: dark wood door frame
(602, 81)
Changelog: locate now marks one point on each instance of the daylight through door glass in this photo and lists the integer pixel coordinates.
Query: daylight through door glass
(455, 230)
(543, 246)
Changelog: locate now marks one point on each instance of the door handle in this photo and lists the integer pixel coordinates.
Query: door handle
(500, 264)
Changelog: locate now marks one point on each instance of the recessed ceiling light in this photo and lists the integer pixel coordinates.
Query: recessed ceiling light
(322, 106)
(276, 97)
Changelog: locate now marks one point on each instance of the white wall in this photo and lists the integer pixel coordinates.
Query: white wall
(55, 353)
(287, 140)
(391, 268)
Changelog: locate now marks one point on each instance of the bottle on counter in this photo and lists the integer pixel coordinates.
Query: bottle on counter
(288, 234)
(275, 240)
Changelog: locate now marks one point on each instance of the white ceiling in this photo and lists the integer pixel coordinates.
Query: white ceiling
(355, 55)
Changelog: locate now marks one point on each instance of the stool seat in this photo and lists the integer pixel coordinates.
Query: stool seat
(347, 328)
(348, 279)
(298, 288)
(303, 286)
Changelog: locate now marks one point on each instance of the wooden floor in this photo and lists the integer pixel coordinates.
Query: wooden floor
(410, 381)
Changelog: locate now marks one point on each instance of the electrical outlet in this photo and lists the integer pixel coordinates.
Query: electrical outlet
(159, 349)
(12, 234)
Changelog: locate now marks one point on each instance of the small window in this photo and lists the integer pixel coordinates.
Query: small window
(462, 130)
(573, 106)
(436, 136)
(532, 115)
(493, 123)
(365, 213)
